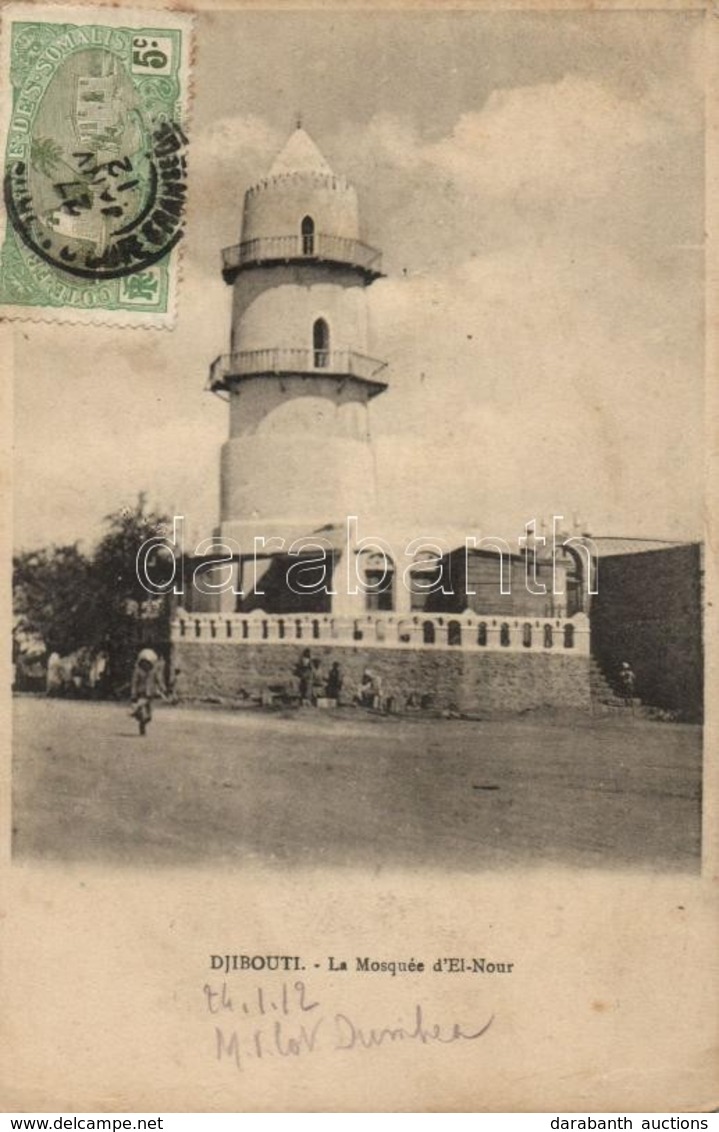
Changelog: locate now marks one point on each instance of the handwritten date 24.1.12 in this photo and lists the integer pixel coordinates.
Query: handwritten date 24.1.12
(287, 1021)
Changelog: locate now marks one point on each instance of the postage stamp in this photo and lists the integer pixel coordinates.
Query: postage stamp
(95, 163)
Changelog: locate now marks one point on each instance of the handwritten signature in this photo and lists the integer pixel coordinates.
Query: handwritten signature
(290, 1024)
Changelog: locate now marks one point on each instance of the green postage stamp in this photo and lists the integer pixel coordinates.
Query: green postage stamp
(95, 163)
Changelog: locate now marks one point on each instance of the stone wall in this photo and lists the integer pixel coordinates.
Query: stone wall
(471, 682)
(648, 611)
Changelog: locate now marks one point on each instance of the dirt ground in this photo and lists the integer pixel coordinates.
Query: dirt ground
(349, 788)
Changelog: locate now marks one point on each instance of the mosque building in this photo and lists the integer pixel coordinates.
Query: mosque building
(475, 626)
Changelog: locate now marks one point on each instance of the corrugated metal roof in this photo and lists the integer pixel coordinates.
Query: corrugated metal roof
(605, 546)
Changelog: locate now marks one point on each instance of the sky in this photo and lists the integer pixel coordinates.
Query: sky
(535, 183)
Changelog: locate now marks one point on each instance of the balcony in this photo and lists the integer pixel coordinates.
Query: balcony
(339, 364)
(315, 248)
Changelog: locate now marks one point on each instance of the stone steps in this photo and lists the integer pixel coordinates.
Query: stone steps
(602, 690)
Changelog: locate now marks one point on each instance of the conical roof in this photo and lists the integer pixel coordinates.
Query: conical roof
(300, 155)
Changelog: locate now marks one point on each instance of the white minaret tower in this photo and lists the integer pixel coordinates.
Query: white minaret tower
(298, 377)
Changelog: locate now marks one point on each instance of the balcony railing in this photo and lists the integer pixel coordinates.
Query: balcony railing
(318, 363)
(313, 248)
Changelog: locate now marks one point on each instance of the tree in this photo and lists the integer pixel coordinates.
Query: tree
(55, 597)
(131, 616)
(45, 154)
(72, 601)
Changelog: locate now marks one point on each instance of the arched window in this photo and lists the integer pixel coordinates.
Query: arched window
(321, 343)
(308, 236)
(454, 633)
(316, 630)
(527, 635)
(298, 630)
(281, 629)
(482, 633)
(428, 632)
(504, 634)
(548, 637)
(569, 636)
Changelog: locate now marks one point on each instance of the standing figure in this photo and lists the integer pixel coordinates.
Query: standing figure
(146, 685)
(628, 681)
(55, 676)
(318, 683)
(376, 691)
(97, 674)
(305, 673)
(334, 682)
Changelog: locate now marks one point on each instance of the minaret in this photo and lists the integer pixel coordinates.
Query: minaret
(298, 377)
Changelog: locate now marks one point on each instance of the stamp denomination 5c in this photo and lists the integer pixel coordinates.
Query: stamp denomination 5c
(95, 163)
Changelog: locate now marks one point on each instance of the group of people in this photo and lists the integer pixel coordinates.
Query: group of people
(148, 684)
(314, 686)
(84, 672)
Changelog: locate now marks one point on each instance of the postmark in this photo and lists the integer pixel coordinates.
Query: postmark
(95, 163)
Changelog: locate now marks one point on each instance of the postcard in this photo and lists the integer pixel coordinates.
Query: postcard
(360, 419)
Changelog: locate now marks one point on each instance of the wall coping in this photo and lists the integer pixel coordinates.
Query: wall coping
(412, 631)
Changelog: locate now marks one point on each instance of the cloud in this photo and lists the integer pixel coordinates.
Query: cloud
(525, 384)
(570, 161)
(243, 142)
(544, 346)
(568, 137)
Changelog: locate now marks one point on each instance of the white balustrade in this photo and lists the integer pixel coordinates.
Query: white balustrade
(465, 631)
